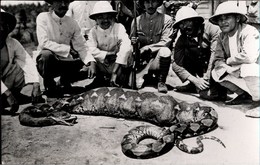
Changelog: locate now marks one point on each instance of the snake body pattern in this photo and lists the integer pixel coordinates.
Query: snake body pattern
(176, 120)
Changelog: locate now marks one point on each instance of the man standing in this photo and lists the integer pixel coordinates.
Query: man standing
(154, 35)
(194, 53)
(80, 11)
(17, 68)
(236, 56)
(58, 34)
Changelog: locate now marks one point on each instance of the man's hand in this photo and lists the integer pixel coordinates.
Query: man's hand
(199, 82)
(90, 69)
(36, 93)
(144, 49)
(114, 75)
(11, 101)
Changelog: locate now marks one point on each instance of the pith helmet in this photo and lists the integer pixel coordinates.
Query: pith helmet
(185, 13)
(9, 19)
(102, 7)
(229, 7)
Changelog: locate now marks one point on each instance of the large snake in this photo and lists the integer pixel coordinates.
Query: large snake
(176, 120)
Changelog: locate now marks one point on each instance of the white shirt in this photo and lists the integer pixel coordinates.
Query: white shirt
(80, 11)
(18, 55)
(101, 41)
(56, 34)
(233, 45)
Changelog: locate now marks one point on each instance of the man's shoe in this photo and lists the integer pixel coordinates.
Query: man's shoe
(240, 99)
(189, 88)
(162, 87)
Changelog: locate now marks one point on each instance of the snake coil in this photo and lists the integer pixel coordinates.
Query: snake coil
(176, 120)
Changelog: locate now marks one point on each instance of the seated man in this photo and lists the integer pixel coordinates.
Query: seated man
(109, 44)
(236, 57)
(194, 53)
(57, 35)
(17, 68)
(154, 31)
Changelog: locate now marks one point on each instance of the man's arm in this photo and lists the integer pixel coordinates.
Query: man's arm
(249, 48)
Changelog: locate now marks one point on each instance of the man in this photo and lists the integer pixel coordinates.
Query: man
(236, 56)
(17, 68)
(194, 52)
(154, 36)
(109, 44)
(80, 11)
(57, 35)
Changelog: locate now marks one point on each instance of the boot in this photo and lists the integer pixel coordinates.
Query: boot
(164, 63)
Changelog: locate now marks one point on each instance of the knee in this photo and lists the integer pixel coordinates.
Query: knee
(44, 56)
(164, 52)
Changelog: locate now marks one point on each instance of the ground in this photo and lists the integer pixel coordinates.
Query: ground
(95, 140)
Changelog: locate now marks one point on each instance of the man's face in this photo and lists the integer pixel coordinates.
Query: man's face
(104, 20)
(187, 27)
(60, 7)
(228, 23)
(151, 6)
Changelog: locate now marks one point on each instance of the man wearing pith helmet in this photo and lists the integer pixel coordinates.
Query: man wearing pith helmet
(236, 56)
(154, 35)
(59, 37)
(110, 46)
(193, 54)
(17, 68)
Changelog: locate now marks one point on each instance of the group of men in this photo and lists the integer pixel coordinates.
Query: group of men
(210, 57)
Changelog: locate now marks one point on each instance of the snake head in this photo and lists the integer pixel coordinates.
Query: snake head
(62, 117)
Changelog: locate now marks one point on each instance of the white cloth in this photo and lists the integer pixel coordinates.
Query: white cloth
(80, 11)
(56, 34)
(18, 55)
(101, 41)
(233, 45)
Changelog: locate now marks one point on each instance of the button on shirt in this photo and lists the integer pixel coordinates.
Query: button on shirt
(101, 41)
(80, 11)
(56, 34)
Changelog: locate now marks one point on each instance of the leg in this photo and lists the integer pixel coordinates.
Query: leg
(162, 63)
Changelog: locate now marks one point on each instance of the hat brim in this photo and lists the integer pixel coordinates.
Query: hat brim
(214, 18)
(93, 16)
(198, 18)
(9, 19)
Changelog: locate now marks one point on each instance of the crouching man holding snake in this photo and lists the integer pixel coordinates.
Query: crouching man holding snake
(177, 120)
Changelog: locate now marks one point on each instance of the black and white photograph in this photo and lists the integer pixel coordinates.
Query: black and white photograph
(130, 82)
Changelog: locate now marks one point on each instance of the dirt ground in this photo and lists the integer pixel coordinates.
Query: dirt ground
(95, 140)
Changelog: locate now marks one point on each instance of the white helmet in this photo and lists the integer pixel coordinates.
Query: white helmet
(229, 7)
(102, 7)
(186, 12)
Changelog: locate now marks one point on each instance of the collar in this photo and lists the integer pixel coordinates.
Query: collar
(107, 30)
(55, 17)
(149, 16)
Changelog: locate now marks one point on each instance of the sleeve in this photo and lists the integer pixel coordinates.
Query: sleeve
(80, 45)
(178, 59)
(125, 47)
(25, 61)
(3, 88)
(166, 35)
(213, 32)
(250, 48)
(43, 39)
(98, 54)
